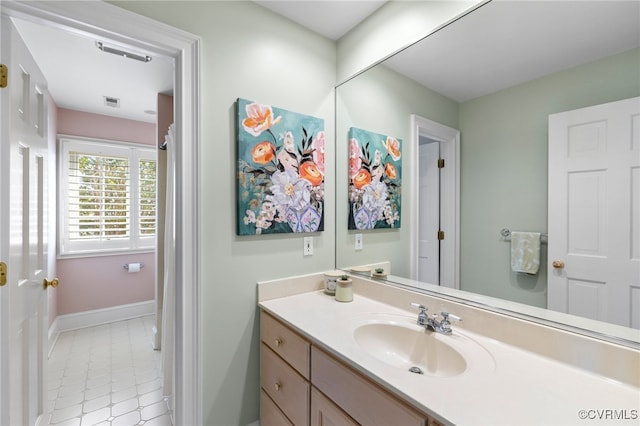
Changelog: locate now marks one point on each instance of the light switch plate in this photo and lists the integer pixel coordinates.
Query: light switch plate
(308, 246)
(358, 241)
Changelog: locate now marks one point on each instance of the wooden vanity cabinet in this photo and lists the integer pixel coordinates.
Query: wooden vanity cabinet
(325, 413)
(270, 414)
(284, 374)
(304, 385)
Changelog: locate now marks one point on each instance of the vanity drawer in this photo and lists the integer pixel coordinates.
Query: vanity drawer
(365, 401)
(292, 347)
(287, 389)
(270, 414)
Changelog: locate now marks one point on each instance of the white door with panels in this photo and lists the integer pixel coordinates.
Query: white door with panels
(429, 212)
(594, 212)
(434, 202)
(23, 233)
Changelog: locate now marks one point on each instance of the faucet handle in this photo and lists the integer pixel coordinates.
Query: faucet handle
(446, 316)
(445, 319)
(422, 308)
(445, 325)
(422, 315)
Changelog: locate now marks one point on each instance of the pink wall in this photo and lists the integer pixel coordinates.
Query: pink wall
(78, 123)
(101, 282)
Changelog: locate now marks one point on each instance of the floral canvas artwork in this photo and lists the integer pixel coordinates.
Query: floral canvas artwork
(280, 178)
(375, 169)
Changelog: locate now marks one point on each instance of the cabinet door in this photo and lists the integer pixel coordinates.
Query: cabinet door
(326, 413)
(366, 402)
(270, 414)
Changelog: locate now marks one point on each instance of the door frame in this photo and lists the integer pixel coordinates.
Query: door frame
(449, 139)
(100, 19)
(428, 197)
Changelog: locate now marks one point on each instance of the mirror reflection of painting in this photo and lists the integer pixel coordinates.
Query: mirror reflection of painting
(375, 177)
(280, 170)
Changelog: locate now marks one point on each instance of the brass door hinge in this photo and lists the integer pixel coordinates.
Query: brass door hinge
(4, 76)
(441, 163)
(3, 273)
(440, 235)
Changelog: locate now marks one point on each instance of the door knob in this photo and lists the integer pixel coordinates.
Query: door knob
(50, 283)
(558, 264)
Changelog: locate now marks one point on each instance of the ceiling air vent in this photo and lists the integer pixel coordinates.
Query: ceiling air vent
(111, 102)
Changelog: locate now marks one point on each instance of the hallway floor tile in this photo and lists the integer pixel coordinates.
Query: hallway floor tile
(107, 375)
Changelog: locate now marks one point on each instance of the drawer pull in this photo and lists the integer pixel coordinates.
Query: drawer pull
(278, 343)
(277, 386)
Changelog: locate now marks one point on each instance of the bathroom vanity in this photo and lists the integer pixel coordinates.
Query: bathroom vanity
(302, 382)
(368, 362)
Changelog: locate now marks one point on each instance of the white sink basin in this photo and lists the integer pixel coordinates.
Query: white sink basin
(402, 344)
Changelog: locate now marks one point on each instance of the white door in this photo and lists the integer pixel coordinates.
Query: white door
(23, 232)
(449, 199)
(428, 212)
(594, 212)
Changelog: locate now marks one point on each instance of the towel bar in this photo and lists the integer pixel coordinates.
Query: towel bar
(506, 234)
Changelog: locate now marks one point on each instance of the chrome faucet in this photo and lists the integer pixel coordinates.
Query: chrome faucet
(432, 323)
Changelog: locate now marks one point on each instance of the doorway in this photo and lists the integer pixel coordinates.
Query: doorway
(430, 139)
(100, 18)
(428, 210)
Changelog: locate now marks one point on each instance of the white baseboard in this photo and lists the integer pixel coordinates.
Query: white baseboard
(97, 317)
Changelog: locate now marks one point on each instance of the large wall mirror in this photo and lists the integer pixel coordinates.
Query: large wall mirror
(480, 92)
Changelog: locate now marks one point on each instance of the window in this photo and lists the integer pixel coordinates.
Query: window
(107, 196)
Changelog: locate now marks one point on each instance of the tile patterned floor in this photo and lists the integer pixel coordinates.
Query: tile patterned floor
(107, 375)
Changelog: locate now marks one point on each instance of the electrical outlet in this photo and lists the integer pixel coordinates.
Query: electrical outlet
(358, 241)
(308, 246)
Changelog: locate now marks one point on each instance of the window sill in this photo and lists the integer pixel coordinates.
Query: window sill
(103, 253)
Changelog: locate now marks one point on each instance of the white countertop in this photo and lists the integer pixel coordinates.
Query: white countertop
(503, 385)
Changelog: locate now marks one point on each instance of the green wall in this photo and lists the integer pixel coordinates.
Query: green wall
(504, 168)
(247, 51)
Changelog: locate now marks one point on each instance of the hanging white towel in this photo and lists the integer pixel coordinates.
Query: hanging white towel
(525, 252)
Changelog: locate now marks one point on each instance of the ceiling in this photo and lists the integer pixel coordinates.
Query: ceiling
(80, 75)
(507, 43)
